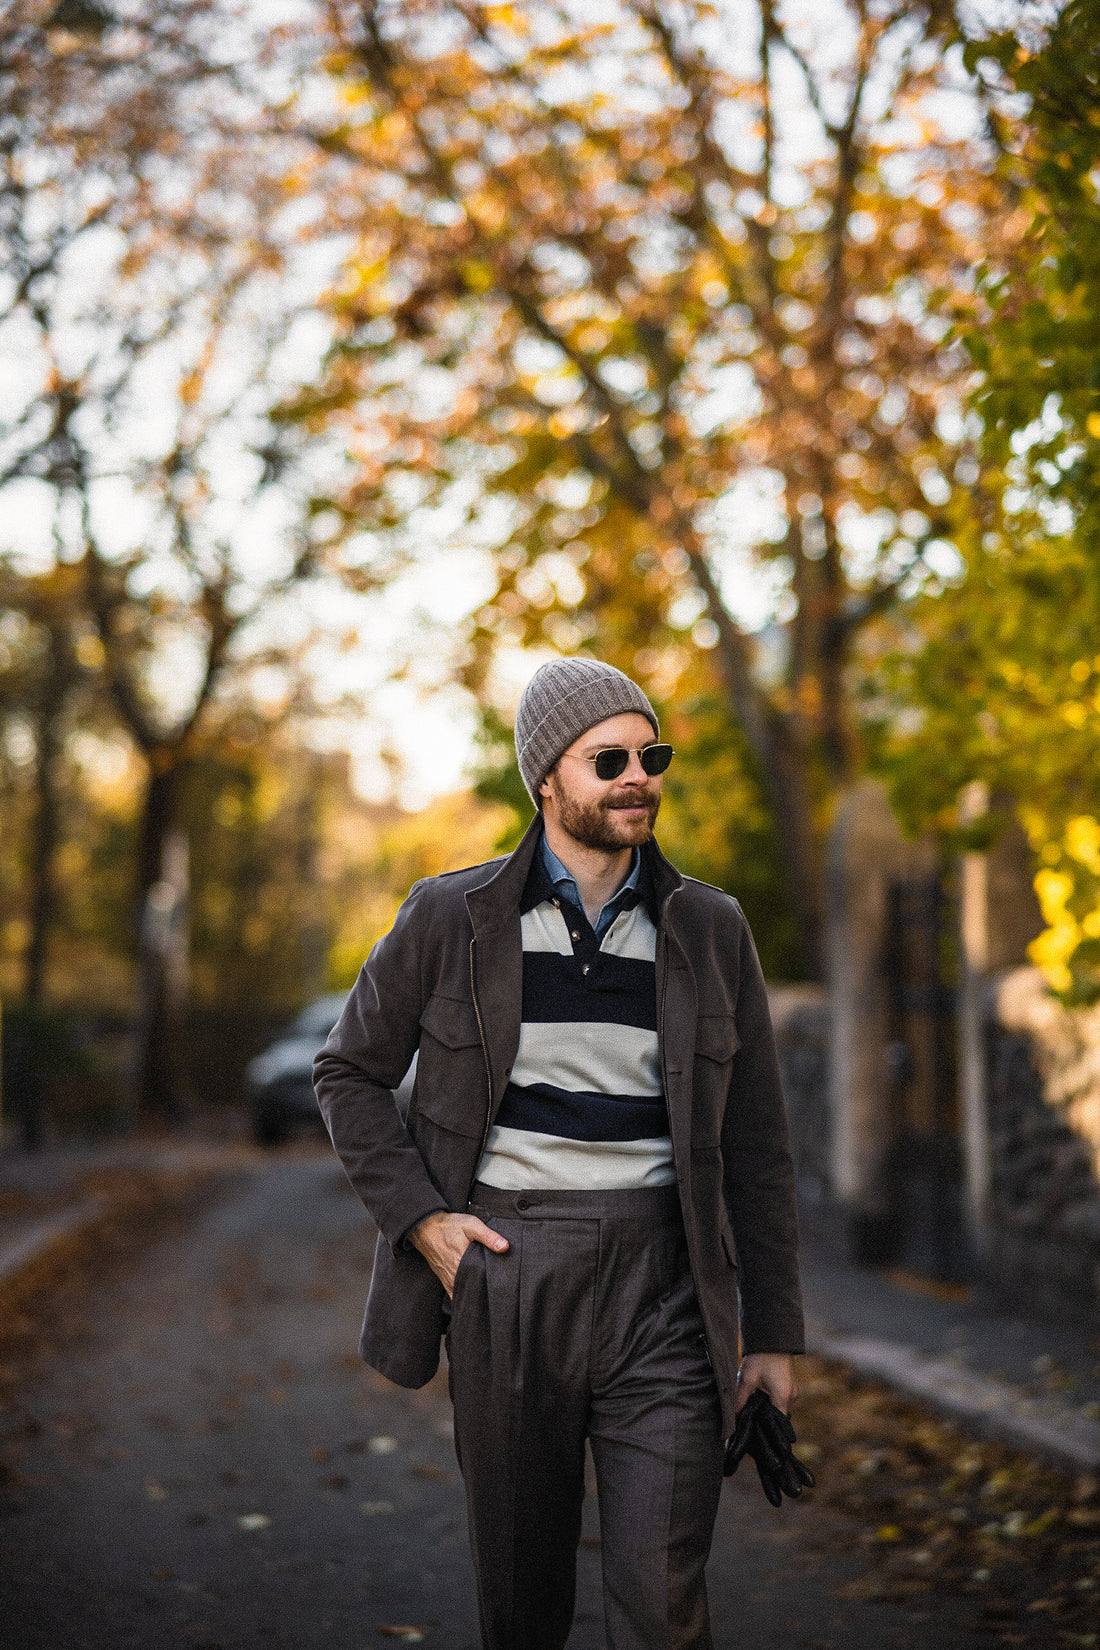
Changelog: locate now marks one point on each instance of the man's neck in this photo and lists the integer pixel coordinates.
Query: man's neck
(598, 872)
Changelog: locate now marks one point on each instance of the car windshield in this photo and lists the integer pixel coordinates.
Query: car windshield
(318, 1019)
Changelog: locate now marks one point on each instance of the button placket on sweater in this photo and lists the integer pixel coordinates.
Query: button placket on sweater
(582, 936)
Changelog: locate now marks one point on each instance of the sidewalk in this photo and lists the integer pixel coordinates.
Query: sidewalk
(53, 1199)
(1030, 1383)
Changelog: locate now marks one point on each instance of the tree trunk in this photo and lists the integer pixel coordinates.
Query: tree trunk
(48, 739)
(788, 793)
(773, 741)
(57, 680)
(162, 945)
(159, 812)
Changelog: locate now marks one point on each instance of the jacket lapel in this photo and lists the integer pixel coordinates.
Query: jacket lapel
(496, 960)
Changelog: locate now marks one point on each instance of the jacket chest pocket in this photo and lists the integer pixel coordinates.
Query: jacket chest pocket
(451, 1082)
(716, 1043)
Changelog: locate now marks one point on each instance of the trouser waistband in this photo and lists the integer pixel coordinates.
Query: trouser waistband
(656, 1203)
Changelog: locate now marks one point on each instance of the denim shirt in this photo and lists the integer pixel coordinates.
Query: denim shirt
(565, 887)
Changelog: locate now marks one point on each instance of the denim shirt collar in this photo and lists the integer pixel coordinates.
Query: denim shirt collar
(564, 885)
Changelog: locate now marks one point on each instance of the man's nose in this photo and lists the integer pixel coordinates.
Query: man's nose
(635, 774)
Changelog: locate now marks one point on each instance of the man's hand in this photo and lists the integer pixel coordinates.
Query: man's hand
(443, 1239)
(774, 1371)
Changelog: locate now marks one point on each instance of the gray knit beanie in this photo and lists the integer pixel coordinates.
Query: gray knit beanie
(564, 699)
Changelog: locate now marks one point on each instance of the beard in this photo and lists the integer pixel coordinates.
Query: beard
(603, 825)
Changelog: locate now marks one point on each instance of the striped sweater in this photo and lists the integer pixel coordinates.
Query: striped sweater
(585, 1107)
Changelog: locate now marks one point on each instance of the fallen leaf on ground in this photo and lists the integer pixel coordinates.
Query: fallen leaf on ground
(946, 1513)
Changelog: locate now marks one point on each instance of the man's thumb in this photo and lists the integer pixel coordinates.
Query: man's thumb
(491, 1239)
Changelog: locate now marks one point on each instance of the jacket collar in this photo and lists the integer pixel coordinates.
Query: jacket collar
(491, 903)
(665, 879)
(494, 901)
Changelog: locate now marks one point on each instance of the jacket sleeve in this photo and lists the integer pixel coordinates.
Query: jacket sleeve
(365, 1059)
(759, 1174)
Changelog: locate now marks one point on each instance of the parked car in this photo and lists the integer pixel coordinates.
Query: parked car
(280, 1080)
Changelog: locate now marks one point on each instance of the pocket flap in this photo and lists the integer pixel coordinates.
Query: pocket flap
(451, 1021)
(716, 1037)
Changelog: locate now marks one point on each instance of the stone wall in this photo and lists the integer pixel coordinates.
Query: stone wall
(1043, 1106)
(1041, 1247)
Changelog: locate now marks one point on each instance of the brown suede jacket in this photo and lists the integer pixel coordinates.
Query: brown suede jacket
(447, 981)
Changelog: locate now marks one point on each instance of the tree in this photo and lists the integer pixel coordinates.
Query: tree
(145, 204)
(1005, 681)
(45, 682)
(655, 301)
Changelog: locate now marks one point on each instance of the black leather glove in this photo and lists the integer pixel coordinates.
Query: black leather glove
(766, 1434)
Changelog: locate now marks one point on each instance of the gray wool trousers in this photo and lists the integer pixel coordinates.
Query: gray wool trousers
(587, 1328)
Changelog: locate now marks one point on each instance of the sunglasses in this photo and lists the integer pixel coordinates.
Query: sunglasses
(613, 761)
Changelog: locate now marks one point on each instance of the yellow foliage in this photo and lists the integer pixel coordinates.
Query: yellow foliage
(89, 651)
(1054, 889)
(451, 832)
(1069, 899)
(1083, 841)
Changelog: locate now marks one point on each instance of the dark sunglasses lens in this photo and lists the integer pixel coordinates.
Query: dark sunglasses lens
(655, 758)
(611, 763)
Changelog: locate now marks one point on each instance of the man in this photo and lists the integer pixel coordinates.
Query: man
(594, 1167)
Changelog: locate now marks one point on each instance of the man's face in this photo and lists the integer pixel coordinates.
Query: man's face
(598, 813)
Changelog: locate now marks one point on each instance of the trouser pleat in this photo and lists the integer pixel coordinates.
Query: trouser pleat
(585, 1328)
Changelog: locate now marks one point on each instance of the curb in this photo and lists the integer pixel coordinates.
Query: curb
(41, 1240)
(993, 1408)
(37, 1243)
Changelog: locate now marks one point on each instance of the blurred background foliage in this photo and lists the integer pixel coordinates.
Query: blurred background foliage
(766, 371)
(1000, 678)
(663, 308)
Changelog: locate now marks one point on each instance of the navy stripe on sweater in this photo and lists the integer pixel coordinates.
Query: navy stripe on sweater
(577, 1116)
(619, 990)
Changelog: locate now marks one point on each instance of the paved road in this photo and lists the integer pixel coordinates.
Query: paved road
(203, 1462)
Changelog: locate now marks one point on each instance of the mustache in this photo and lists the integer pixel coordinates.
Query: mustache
(632, 799)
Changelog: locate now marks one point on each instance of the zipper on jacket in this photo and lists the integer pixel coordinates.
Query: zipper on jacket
(488, 1070)
(661, 1018)
(663, 917)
